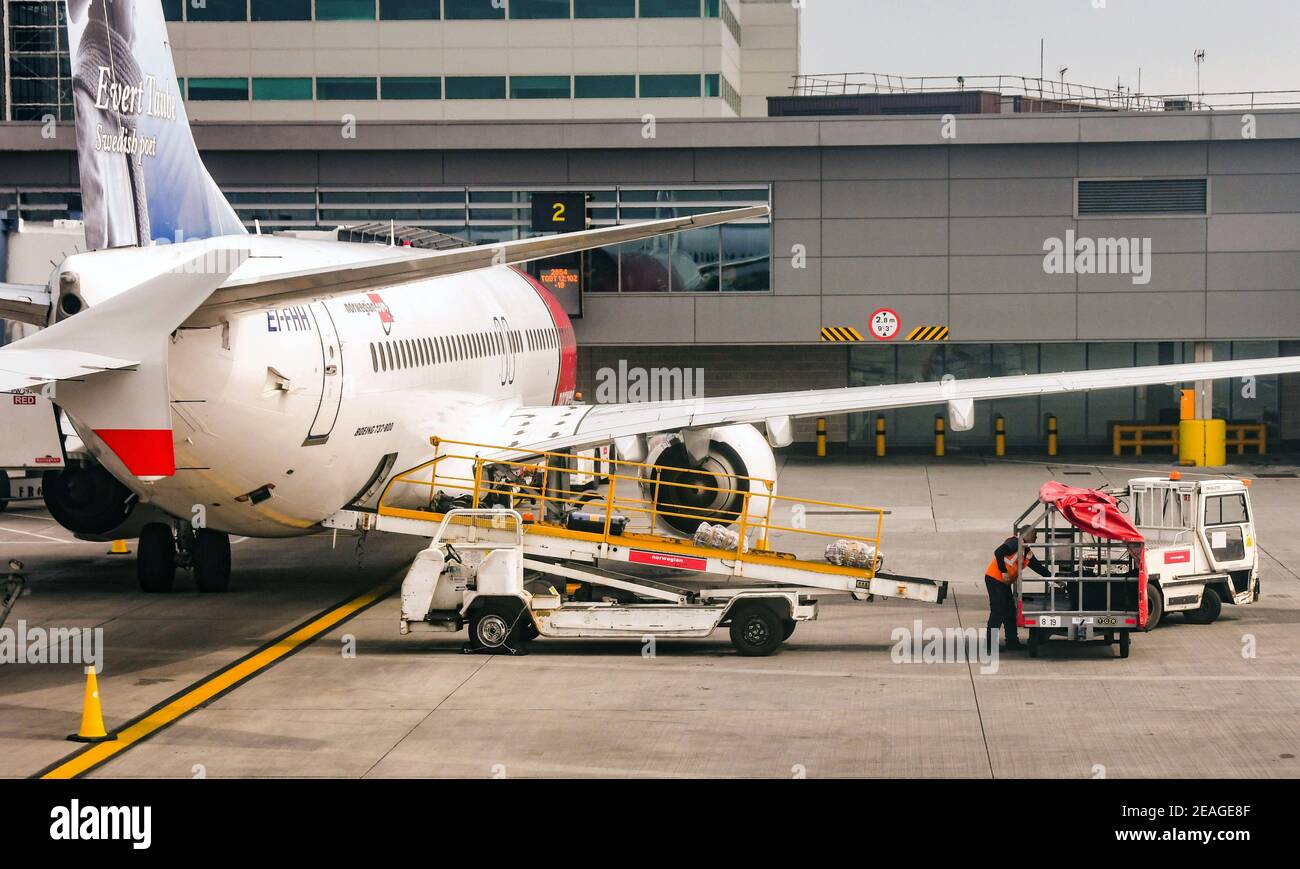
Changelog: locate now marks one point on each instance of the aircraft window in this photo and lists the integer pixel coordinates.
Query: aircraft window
(419, 352)
(404, 354)
(428, 350)
(424, 351)
(387, 357)
(374, 360)
(440, 349)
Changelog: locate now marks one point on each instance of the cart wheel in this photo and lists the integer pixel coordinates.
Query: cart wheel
(756, 631)
(493, 625)
(1155, 606)
(1035, 637)
(788, 625)
(1208, 611)
(1124, 637)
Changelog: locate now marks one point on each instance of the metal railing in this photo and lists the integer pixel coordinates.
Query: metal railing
(1070, 95)
(459, 476)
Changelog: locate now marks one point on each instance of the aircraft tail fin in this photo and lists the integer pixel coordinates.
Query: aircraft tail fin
(142, 180)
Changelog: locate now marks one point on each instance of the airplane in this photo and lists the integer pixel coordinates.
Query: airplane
(225, 383)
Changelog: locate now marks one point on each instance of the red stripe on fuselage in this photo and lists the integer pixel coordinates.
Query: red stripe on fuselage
(567, 381)
(146, 452)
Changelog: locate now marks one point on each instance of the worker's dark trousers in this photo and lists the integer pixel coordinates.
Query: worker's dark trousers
(1002, 609)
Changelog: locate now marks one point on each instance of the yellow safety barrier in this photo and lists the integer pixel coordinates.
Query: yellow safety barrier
(821, 437)
(1236, 434)
(634, 490)
(1201, 442)
(1140, 436)
(1000, 435)
(939, 436)
(880, 437)
(1051, 435)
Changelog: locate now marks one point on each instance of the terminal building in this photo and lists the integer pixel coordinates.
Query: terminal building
(973, 232)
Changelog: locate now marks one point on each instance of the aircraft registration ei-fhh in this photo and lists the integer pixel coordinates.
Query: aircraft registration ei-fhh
(276, 380)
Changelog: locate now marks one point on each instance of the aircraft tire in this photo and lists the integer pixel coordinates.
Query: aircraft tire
(155, 559)
(211, 558)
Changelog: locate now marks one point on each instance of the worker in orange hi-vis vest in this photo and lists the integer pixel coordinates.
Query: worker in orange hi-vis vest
(1001, 575)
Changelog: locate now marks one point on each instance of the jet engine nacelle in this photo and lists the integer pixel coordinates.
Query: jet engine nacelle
(711, 486)
(86, 499)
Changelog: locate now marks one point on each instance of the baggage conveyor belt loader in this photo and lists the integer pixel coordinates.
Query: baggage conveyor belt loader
(518, 554)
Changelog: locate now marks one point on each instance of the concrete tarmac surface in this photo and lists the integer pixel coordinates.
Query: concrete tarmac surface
(831, 702)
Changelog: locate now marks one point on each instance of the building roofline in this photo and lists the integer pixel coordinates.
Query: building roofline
(789, 132)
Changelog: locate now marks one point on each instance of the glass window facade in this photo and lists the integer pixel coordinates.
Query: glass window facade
(409, 10)
(475, 87)
(345, 10)
(604, 8)
(604, 86)
(40, 75)
(173, 10)
(280, 10)
(282, 89)
(345, 88)
(713, 85)
(410, 87)
(217, 10)
(218, 89)
(539, 87)
(670, 85)
(670, 8)
(472, 9)
(539, 8)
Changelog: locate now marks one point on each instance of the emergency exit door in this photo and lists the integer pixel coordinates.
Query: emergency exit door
(331, 393)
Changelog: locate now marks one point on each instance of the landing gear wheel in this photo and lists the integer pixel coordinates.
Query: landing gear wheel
(496, 627)
(788, 625)
(1124, 637)
(756, 631)
(1035, 638)
(155, 559)
(1155, 607)
(1208, 611)
(211, 560)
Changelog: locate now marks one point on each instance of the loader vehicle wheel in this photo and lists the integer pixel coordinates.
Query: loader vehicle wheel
(494, 625)
(1035, 638)
(1209, 609)
(788, 626)
(155, 559)
(211, 560)
(756, 631)
(1155, 607)
(1124, 637)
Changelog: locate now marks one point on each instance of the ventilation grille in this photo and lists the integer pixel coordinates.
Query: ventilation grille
(1144, 196)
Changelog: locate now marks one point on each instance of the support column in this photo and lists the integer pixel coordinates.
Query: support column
(1202, 439)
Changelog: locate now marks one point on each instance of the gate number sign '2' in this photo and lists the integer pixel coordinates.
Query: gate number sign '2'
(884, 323)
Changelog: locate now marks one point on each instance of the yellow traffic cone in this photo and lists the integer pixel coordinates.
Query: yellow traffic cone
(92, 714)
(119, 548)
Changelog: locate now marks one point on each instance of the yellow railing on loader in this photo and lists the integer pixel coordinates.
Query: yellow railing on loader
(627, 507)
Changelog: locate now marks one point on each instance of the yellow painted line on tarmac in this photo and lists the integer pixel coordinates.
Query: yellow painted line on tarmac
(211, 687)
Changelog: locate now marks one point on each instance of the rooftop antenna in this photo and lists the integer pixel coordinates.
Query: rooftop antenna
(1199, 56)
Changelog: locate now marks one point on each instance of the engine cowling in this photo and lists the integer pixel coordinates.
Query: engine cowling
(86, 499)
(711, 488)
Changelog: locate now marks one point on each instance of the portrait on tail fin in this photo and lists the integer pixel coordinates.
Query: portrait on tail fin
(142, 180)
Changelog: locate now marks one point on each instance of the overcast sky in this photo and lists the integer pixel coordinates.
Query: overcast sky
(1249, 44)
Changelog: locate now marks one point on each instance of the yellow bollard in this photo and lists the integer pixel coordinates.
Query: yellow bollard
(1000, 438)
(821, 437)
(880, 437)
(1051, 435)
(1203, 442)
(938, 435)
(119, 548)
(92, 714)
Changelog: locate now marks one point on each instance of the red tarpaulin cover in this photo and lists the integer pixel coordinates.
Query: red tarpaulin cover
(1098, 514)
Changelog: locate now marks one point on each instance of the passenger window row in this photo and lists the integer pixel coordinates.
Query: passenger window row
(407, 353)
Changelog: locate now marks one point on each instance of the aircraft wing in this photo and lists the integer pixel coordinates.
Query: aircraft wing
(314, 284)
(537, 429)
(26, 303)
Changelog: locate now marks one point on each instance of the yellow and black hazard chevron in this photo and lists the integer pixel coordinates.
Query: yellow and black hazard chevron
(928, 333)
(840, 333)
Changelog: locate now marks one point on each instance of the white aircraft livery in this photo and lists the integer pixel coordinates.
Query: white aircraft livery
(267, 382)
